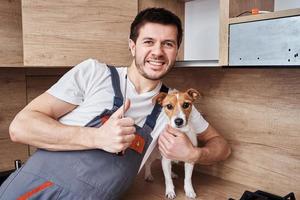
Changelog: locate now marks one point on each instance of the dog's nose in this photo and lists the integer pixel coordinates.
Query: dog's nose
(178, 121)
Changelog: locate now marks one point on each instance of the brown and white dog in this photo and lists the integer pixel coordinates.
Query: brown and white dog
(177, 106)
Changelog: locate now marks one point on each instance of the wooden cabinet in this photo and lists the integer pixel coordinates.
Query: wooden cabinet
(229, 10)
(11, 52)
(13, 99)
(63, 33)
(270, 39)
(202, 31)
(259, 39)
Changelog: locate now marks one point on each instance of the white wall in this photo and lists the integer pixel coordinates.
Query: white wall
(286, 4)
(201, 35)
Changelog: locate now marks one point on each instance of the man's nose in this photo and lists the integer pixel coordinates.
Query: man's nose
(157, 50)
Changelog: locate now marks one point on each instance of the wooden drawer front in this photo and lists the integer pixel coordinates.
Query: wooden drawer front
(63, 33)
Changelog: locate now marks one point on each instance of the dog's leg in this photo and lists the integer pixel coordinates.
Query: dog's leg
(148, 175)
(167, 169)
(174, 175)
(153, 156)
(188, 187)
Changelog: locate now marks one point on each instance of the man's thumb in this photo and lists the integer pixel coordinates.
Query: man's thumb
(120, 112)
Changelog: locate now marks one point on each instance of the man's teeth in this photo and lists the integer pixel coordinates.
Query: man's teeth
(156, 63)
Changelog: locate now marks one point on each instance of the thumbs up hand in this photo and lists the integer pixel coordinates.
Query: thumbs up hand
(117, 133)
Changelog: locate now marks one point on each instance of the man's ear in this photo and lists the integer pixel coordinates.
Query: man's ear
(131, 45)
(194, 94)
(159, 98)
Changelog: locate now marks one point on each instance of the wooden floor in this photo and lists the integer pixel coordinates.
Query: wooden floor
(206, 187)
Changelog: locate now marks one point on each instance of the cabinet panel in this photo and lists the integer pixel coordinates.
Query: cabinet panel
(202, 30)
(269, 42)
(10, 152)
(237, 7)
(63, 33)
(13, 99)
(11, 54)
(229, 9)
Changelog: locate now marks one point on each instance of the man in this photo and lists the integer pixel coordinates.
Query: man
(92, 147)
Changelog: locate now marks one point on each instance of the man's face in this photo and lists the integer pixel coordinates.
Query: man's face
(155, 50)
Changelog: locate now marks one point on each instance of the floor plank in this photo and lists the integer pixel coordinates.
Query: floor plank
(206, 187)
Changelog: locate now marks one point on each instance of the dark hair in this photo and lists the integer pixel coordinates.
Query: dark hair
(155, 15)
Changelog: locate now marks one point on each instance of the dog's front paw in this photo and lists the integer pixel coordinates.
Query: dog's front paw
(189, 192)
(170, 194)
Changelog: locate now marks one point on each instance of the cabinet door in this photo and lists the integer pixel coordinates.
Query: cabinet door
(13, 99)
(202, 31)
(63, 33)
(11, 54)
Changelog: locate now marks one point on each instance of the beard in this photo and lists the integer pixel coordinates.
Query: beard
(140, 67)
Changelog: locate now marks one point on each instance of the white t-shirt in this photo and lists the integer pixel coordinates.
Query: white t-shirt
(88, 85)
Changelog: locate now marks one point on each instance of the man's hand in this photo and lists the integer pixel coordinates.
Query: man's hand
(117, 133)
(175, 145)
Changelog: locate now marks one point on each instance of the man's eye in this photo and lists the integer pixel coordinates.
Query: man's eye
(169, 107)
(168, 44)
(185, 105)
(148, 42)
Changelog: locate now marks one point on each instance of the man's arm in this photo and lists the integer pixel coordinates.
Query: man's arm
(37, 125)
(176, 146)
(216, 147)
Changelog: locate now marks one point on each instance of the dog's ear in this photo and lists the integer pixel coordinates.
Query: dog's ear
(159, 98)
(194, 94)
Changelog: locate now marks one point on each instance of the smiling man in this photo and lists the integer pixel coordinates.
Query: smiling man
(90, 145)
(155, 50)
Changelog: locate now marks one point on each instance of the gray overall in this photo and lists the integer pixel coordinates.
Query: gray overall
(81, 175)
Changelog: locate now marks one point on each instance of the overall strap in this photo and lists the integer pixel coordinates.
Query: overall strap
(151, 119)
(115, 79)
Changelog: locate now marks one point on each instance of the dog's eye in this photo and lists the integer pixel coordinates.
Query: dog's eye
(169, 106)
(185, 105)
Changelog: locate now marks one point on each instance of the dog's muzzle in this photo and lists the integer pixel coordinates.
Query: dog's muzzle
(179, 122)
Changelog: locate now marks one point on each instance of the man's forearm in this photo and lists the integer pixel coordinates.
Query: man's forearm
(217, 149)
(41, 131)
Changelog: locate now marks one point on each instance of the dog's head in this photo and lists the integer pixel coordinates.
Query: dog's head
(177, 106)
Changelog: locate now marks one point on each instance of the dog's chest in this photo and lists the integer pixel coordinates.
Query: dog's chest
(191, 134)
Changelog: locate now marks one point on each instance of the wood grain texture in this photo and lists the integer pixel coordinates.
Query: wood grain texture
(273, 15)
(206, 187)
(175, 6)
(12, 95)
(258, 111)
(63, 33)
(10, 152)
(13, 99)
(223, 32)
(11, 48)
(34, 71)
(236, 7)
